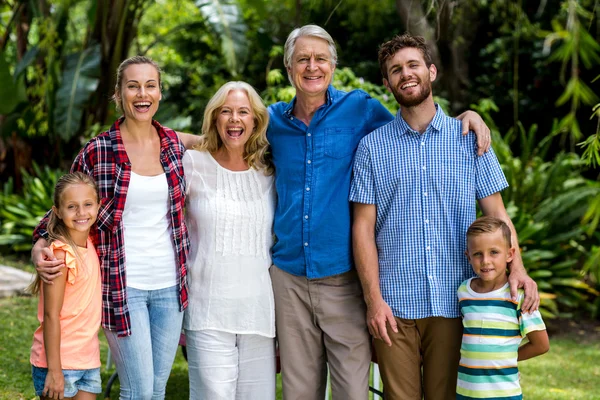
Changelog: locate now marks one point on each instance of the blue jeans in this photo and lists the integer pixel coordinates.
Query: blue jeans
(86, 380)
(145, 358)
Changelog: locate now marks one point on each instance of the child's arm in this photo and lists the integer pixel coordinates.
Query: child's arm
(53, 301)
(538, 344)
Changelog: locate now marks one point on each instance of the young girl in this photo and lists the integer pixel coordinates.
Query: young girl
(65, 355)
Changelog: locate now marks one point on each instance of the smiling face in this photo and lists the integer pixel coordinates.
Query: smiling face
(140, 92)
(78, 209)
(489, 254)
(408, 77)
(311, 67)
(235, 120)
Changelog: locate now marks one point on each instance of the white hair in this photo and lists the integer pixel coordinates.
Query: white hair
(307, 30)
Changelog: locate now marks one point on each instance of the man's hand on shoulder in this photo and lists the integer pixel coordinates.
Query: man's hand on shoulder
(517, 279)
(471, 121)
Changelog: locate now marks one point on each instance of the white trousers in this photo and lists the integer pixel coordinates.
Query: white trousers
(226, 366)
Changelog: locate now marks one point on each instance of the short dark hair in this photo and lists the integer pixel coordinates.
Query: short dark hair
(388, 49)
(489, 225)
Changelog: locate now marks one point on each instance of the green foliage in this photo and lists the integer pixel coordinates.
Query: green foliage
(12, 92)
(79, 81)
(20, 213)
(547, 201)
(225, 19)
(576, 46)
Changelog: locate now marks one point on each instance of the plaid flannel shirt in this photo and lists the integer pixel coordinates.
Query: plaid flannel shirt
(105, 159)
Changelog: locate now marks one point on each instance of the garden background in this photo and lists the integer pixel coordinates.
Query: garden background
(530, 68)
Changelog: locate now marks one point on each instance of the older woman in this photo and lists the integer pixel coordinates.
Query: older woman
(142, 239)
(230, 321)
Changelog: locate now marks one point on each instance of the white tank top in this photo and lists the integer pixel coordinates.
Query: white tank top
(149, 252)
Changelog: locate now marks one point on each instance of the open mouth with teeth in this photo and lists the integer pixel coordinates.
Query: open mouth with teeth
(235, 133)
(142, 106)
(408, 85)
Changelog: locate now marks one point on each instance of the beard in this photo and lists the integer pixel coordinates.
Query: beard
(412, 100)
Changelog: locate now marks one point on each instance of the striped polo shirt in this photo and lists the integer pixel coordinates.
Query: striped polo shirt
(493, 330)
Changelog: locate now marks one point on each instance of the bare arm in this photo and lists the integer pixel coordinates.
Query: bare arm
(518, 278)
(53, 301)
(471, 121)
(188, 139)
(46, 264)
(538, 344)
(367, 266)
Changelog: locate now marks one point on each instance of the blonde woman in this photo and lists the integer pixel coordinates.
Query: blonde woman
(230, 320)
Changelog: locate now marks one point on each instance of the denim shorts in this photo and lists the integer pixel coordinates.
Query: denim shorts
(87, 380)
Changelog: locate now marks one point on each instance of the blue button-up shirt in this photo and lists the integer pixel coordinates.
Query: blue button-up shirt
(313, 166)
(425, 187)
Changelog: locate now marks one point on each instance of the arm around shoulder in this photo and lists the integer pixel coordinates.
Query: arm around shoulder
(494, 206)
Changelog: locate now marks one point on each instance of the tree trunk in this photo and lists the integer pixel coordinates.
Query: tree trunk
(415, 22)
(115, 28)
(449, 41)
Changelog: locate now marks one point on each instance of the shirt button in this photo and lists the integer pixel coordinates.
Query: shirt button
(426, 221)
(422, 143)
(309, 134)
(305, 244)
(428, 248)
(424, 168)
(308, 189)
(425, 194)
(306, 217)
(430, 277)
(309, 161)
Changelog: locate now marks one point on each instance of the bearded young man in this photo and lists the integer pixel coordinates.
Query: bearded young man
(319, 306)
(415, 186)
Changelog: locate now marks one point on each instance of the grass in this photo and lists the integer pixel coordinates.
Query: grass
(571, 370)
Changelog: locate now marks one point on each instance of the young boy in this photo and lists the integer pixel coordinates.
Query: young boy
(493, 324)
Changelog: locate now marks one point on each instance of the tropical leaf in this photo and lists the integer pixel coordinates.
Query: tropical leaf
(79, 81)
(26, 61)
(11, 93)
(226, 20)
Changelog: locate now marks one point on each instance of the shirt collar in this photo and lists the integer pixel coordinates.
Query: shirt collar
(117, 140)
(287, 111)
(435, 124)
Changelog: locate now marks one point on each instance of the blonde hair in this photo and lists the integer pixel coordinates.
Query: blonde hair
(56, 228)
(256, 148)
(488, 224)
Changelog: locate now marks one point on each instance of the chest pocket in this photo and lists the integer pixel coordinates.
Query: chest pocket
(340, 142)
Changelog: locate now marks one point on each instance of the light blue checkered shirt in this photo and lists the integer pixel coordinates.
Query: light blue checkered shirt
(425, 187)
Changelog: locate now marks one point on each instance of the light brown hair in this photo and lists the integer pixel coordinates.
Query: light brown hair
(56, 228)
(488, 224)
(388, 49)
(121, 70)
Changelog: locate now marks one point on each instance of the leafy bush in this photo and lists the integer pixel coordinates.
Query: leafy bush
(547, 201)
(20, 213)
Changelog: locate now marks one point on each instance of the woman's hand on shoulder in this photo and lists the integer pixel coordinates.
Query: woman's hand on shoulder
(46, 263)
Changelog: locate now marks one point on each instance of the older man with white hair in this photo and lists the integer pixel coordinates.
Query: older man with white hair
(320, 311)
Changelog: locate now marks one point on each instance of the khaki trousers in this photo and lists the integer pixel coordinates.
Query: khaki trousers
(431, 343)
(320, 322)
